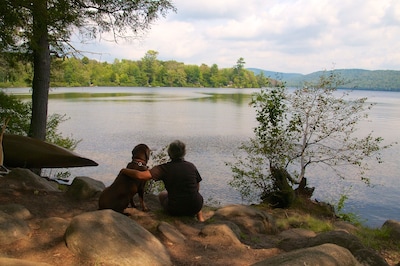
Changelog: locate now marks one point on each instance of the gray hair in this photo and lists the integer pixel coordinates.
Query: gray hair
(177, 150)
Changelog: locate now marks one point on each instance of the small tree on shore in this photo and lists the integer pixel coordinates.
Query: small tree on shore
(314, 125)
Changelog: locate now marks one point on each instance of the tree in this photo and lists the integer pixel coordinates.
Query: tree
(311, 126)
(238, 73)
(42, 28)
(18, 114)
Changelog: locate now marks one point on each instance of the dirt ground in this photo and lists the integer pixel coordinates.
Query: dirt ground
(48, 245)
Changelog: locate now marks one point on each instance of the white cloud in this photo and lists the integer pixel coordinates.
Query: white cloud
(281, 35)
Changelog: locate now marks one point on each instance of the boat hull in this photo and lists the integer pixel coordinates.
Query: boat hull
(26, 152)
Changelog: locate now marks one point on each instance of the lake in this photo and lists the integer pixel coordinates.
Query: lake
(213, 123)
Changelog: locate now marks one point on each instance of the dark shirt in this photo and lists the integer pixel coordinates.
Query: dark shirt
(181, 180)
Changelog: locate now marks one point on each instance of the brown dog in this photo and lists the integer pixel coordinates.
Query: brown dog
(118, 196)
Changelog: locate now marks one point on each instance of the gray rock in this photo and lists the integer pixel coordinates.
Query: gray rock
(171, 233)
(16, 210)
(248, 218)
(223, 232)
(343, 225)
(12, 229)
(113, 239)
(296, 233)
(394, 227)
(84, 187)
(24, 179)
(54, 224)
(340, 238)
(323, 255)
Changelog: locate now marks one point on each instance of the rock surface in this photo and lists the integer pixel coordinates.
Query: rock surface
(248, 218)
(46, 226)
(394, 227)
(84, 187)
(323, 255)
(113, 238)
(12, 229)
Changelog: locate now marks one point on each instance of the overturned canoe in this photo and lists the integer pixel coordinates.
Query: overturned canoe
(20, 151)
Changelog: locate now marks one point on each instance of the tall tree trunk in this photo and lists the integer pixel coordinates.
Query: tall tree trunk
(41, 65)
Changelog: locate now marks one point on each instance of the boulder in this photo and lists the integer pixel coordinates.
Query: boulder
(108, 237)
(84, 187)
(222, 233)
(297, 233)
(323, 255)
(12, 229)
(54, 224)
(171, 233)
(24, 179)
(249, 219)
(16, 210)
(394, 227)
(340, 238)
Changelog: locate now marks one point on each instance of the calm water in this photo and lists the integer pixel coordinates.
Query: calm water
(213, 123)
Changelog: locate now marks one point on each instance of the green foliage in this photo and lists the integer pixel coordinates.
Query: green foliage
(354, 78)
(53, 136)
(19, 113)
(305, 221)
(379, 239)
(149, 71)
(349, 216)
(156, 158)
(311, 126)
(365, 79)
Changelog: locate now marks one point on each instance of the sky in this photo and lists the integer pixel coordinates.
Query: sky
(285, 36)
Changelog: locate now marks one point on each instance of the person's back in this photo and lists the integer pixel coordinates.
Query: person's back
(181, 180)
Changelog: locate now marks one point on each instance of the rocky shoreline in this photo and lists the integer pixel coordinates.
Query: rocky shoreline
(41, 225)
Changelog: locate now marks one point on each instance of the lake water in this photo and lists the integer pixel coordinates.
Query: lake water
(213, 123)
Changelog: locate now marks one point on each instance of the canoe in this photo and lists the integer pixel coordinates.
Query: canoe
(26, 152)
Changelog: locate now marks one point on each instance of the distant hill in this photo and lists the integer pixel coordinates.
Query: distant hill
(354, 78)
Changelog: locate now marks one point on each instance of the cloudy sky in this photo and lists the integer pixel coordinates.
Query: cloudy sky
(300, 36)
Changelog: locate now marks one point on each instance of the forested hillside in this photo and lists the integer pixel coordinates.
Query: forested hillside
(149, 71)
(353, 78)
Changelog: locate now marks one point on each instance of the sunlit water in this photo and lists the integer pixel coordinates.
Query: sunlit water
(213, 123)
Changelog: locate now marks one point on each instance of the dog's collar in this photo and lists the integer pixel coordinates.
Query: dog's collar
(139, 163)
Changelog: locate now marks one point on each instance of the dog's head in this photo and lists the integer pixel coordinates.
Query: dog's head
(141, 151)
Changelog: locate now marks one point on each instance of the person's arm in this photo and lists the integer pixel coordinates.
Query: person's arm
(143, 175)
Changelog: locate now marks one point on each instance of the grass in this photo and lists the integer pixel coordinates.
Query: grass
(321, 217)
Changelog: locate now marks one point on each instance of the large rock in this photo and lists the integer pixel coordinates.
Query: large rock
(221, 233)
(171, 233)
(323, 255)
(248, 218)
(338, 237)
(113, 239)
(297, 233)
(24, 179)
(12, 229)
(394, 227)
(16, 210)
(84, 187)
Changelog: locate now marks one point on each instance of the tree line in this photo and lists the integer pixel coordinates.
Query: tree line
(148, 71)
